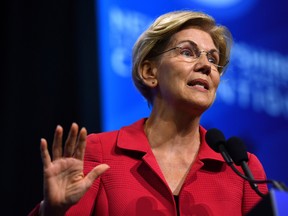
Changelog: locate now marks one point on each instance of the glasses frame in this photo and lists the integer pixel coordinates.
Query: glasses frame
(198, 54)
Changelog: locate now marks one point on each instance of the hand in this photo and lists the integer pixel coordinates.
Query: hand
(64, 180)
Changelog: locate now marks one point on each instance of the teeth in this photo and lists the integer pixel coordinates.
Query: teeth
(199, 85)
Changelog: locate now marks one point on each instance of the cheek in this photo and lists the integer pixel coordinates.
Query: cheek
(166, 73)
(170, 80)
(216, 80)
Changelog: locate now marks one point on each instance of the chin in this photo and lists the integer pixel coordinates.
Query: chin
(195, 108)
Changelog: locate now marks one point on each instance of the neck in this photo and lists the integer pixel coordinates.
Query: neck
(172, 129)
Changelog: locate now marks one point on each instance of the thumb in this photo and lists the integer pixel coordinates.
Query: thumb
(96, 172)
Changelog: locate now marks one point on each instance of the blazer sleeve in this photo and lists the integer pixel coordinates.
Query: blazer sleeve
(250, 198)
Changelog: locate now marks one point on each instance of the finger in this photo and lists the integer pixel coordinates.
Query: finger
(71, 140)
(57, 143)
(95, 173)
(81, 144)
(46, 159)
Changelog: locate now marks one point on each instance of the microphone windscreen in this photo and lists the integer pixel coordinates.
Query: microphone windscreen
(237, 150)
(215, 138)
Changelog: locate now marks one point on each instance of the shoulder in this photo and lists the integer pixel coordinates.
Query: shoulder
(112, 136)
(99, 142)
(256, 166)
(107, 141)
(95, 138)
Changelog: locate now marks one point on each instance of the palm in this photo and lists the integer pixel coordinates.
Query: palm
(64, 180)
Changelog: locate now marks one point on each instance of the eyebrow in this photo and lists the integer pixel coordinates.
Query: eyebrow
(195, 44)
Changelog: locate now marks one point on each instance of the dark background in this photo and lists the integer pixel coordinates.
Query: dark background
(48, 77)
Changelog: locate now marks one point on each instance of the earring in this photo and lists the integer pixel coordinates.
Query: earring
(154, 83)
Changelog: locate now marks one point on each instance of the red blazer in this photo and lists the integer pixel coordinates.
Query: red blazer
(135, 186)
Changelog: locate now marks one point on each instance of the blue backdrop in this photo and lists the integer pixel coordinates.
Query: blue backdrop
(252, 101)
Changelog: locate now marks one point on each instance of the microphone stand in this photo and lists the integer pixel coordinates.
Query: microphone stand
(278, 185)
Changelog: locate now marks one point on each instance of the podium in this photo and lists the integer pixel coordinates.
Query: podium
(275, 203)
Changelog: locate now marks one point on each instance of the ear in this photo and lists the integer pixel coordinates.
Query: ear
(148, 73)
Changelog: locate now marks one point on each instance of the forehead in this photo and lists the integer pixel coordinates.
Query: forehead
(198, 36)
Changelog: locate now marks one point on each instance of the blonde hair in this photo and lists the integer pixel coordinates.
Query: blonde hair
(158, 35)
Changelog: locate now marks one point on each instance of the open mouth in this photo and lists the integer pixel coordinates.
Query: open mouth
(199, 83)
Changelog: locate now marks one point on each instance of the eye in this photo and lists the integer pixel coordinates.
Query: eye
(213, 57)
(212, 60)
(187, 52)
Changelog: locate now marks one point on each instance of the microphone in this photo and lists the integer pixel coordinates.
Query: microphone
(216, 140)
(238, 153)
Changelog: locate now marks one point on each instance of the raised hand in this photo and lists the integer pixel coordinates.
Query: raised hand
(64, 180)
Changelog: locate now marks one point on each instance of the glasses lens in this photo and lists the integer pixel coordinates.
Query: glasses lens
(213, 57)
(189, 51)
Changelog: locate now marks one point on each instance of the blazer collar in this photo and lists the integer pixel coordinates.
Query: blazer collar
(133, 138)
(205, 151)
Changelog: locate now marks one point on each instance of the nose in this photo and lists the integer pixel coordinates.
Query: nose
(202, 64)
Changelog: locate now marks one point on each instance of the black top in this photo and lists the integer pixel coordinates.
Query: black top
(176, 198)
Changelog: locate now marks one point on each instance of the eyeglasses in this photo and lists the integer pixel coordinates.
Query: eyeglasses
(189, 52)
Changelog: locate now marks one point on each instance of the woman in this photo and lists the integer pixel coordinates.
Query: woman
(159, 165)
